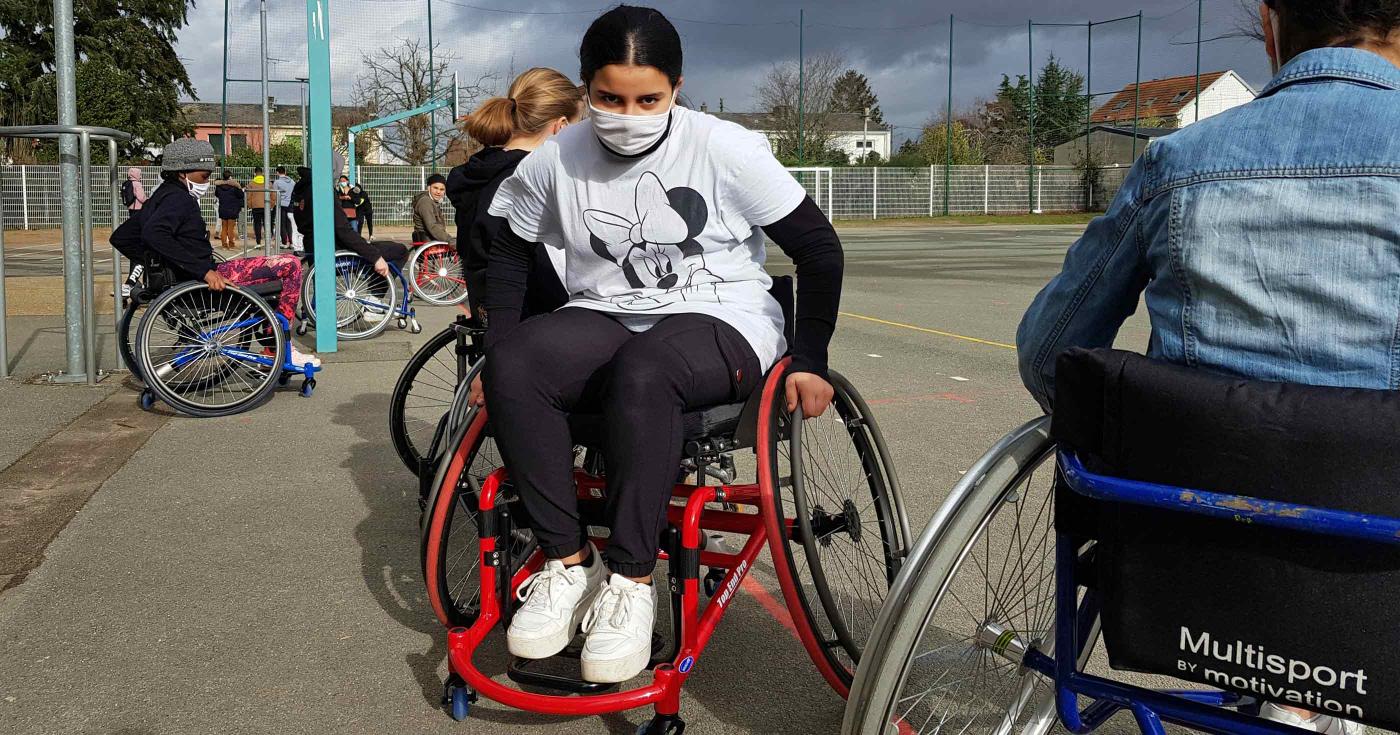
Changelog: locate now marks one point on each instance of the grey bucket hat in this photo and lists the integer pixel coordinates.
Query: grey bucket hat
(188, 154)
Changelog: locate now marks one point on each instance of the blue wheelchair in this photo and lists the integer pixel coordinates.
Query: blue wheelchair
(205, 353)
(1241, 536)
(364, 300)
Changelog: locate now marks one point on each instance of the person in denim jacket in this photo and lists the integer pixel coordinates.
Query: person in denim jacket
(1265, 238)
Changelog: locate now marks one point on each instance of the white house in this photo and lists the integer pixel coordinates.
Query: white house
(1172, 103)
(851, 135)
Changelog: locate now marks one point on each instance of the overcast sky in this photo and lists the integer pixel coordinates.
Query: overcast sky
(901, 45)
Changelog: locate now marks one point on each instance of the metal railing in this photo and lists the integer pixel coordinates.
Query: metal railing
(81, 328)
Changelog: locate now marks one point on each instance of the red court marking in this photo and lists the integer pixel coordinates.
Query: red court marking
(774, 608)
(954, 397)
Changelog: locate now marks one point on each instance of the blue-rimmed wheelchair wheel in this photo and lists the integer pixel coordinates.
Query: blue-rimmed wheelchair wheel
(365, 302)
(208, 353)
(975, 592)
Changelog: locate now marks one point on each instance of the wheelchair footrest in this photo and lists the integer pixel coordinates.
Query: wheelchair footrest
(554, 673)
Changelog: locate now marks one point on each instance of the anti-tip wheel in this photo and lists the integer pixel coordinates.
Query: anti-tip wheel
(148, 399)
(301, 329)
(283, 378)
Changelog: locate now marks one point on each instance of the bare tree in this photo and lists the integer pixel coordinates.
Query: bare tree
(786, 102)
(1247, 20)
(397, 78)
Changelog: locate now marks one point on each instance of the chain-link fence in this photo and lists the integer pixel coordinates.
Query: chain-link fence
(31, 193)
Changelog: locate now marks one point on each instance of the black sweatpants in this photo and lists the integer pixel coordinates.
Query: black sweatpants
(576, 360)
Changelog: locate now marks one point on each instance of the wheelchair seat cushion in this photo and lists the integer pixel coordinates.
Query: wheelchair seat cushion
(1292, 617)
(268, 290)
(714, 422)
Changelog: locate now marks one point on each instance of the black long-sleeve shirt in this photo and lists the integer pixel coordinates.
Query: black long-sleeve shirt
(805, 235)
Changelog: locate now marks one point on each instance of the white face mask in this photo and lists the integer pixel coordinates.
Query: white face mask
(629, 135)
(198, 190)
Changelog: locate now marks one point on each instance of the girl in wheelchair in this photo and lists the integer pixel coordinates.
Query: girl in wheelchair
(659, 215)
(380, 252)
(170, 226)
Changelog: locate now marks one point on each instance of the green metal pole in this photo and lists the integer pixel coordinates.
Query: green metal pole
(948, 167)
(223, 98)
(1088, 116)
(318, 63)
(801, 84)
(1030, 114)
(1137, 89)
(1200, 10)
(432, 90)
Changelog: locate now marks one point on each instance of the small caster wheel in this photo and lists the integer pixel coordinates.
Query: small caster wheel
(461, 704)
(713, 579)
(148, 399)
(301, 329)
(283, 379)
(307, 387)
(414, 327)
(662, 725)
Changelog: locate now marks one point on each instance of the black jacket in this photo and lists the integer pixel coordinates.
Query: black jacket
(230, 196)
(345, 236)
(173, 228)
(471, 187)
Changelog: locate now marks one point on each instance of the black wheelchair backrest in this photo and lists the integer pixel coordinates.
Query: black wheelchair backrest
(1287, 616)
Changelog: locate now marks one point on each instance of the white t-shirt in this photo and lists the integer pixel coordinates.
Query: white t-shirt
(673, 232)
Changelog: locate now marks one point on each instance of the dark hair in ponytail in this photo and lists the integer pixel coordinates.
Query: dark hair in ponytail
(634, 36)
(536, 98)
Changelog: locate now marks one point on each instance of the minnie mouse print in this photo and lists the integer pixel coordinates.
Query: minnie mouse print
(657, 249)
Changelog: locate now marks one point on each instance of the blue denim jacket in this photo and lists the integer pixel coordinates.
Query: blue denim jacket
(1266, 238)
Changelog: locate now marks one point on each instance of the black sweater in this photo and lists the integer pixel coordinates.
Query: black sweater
(805, 235)
(345, 236)
(172, 227)
(471, 187)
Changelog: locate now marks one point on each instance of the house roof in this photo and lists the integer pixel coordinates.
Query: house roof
(245, 114)
(844, 122)
(1160, 98)
(1142, 133)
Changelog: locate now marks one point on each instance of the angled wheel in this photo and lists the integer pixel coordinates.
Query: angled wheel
(424, 393)
(976, 591)
(435, 273)
(364, 300)
(450, 535)
(837, 529)
(209, 353)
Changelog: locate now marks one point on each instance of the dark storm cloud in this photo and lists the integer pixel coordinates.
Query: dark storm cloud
(902, 45)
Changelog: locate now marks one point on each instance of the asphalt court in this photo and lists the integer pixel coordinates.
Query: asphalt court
(259, 573)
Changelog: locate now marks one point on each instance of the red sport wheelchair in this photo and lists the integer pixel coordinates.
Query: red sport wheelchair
(824, 500)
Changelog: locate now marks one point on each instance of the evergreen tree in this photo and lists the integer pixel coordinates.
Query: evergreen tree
(852, 93)
(1061, 110)
(128, 76)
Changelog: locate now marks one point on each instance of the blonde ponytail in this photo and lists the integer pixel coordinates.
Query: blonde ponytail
(537, 98)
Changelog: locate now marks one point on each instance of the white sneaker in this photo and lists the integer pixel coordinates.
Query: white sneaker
(1327, 724)
(300, 358)
(619, 631)
(556, 599)
(374, 316)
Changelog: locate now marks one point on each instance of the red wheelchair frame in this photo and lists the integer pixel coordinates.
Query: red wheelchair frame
(694, 626)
